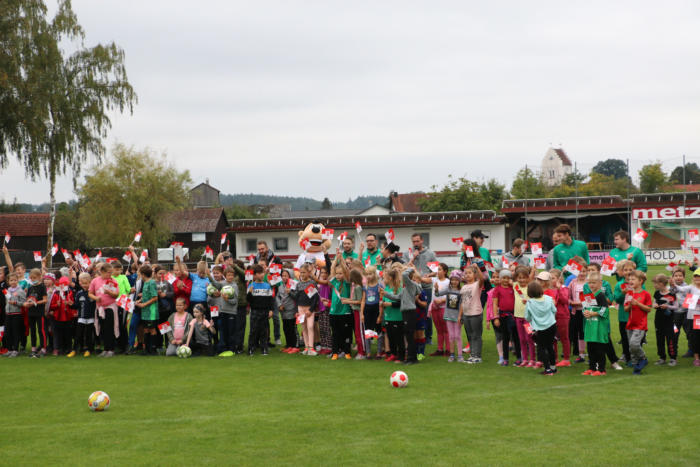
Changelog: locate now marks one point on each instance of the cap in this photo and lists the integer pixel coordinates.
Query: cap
(456, 275)
(544, 276)
(64, 281)
(51, 276)
(505, 273)
(478, 233)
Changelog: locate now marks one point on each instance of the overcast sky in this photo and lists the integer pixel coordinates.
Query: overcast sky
(339, 99)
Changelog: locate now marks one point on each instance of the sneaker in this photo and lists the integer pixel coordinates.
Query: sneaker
(696, 362)
(311, 353)
(451, 359)
(504, 363)
(334, 357)
(475, 360)
(562, 363)
(617, 366)
(71, 354)
(420, 357)
(643, 363)
(500, 361)
(460, 359)
(325, 352)
(660, 361)
(55, 353)
(390, 358)
(587, 373)
(102, 354)
(530, 364)
(226, 353)
(596, 373)
(250, 353)
(86, 354)
(603, 373)
(317, 347)
(621, 360)
(637, 372)
(539, 364)
(688, 354)
(437, 353)
(278, 342)
(295, 350)
(265, 352)
(672, 362)
(579, 360)
(4, 351)
(306, 351)
(12, 354)
(348, 356)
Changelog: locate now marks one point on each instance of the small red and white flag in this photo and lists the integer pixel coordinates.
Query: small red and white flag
(342, 237)
(469, 250)
(228, 245)
(170, 277)
(121, 301)
(54, 249)
(433, 266)
(144, 256)
(292, 283)
(504, 262)
(304, 243)
(301, 317)
(274, 279)
(65, 253)
(671, 266)
(2, 331)
(310, 291)
(275, 268)
(489, 266)
(249, 275)
(223, 238)
(696, 322)
(573, 267)
(7, 237)
(389, 235)
(137, 237)
(164, 328)
(527, 327)
(536, 248)
(693, 235)
(458, 241)
(127, 257)
(6, 293)
(208, 252)
(588, 300)
(176, 244)
(37, 256)
(540, 263)
(358, 227)
(640, 236)
(251, 259)
(684, 245)
(690, 301)
(98, 255)
(214, 311)
(368, 262)
(327, 234)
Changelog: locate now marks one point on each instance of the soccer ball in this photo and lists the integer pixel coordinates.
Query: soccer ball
(211, 289)
(184, 352)
(98, 401)
(399, 379)
(227, 291)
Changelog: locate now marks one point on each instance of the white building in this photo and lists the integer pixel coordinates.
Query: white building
(555, 166)
(438, 230)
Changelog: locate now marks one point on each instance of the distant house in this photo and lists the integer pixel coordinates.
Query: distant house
(555, 166)
(28, 230)
(197, 228)
(407, 202)
(204, 196)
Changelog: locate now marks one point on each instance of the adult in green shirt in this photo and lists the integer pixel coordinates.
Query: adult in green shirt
(372, 252)
(568, 247)
(349, 248)
(478, 237)
(623, 250)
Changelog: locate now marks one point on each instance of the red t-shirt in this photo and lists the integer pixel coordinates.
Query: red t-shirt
(638, 318)
(506, 299)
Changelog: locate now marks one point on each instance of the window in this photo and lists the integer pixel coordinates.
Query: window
(199, 237)
(251, 245)
(280, 244)
(551, 174)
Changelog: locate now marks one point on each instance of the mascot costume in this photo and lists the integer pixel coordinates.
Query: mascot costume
(313, 240)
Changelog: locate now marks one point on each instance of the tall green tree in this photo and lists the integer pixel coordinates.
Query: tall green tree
(527, 185)
(692, 174)
(462, 194)
(55, 103)
(133, 191)
(615, 168)
(326, 204)
(652, 178)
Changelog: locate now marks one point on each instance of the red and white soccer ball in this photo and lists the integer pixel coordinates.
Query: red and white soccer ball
(399, 379)
(98, 401)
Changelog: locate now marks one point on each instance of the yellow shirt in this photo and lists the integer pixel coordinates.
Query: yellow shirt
(520, 295)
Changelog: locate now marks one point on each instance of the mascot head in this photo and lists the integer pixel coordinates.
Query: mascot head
(311, 238)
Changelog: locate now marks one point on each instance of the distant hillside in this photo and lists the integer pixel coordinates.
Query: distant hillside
(300, 203)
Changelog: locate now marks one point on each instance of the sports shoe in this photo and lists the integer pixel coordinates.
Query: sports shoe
(500, 361)
(278, 342)
(437, 353)
(420, 357)
(334, 357)
(603, 373)
(637, 372)
(562, 363)
(539, 364)
(4, 351)
(390, 358)
(294, 350)
(265, 352)
(226, 353)
(596, 373)
(688, 354)
(348, 356)
(504, 363)
(34, 355)
(306, 351)
(696, 362)
(587, 373)
(360, 356)
(475, 360)
(579, 360)
(660, 361)
(617, 366)
(672, 362)
(109, 354)
(530, 364)
(102, 354)
(547, 372)
(71, 354)
(86, 354)
(311, 353)
(451, 359)
(317, 347)
(460, 359)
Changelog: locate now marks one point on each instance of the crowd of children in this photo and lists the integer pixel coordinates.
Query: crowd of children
(346, 305)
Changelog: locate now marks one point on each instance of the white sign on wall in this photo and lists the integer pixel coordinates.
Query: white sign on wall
(666, 213)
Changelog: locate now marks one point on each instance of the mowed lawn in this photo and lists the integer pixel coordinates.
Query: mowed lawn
(296, 410)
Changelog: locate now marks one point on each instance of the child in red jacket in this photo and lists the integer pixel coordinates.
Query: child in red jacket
(60, 303)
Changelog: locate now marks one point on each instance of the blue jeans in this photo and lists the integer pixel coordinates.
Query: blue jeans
(133, 326)
(429, 321)
(227, 328)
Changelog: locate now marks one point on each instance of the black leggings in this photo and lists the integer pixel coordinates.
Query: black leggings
(14, 330)
(84, 337)
(625, 341)
(37, 331)
(259, 328)
(545, 346)
(394, 330)
(596, 356)
(409, 333)
(63, 336)
(610, 351)
(664, 335)
(342, 327)
(290, 332)
(576, 330)
(507, 328)
(107, 330)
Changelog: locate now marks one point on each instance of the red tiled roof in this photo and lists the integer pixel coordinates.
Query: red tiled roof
(25, 224)
(687, 188)
(562, 155)
(195, 220)
(407, 202)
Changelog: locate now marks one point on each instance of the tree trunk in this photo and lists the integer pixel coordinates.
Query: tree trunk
(52, 213)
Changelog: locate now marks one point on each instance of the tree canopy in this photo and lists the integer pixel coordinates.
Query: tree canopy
(692, 174)
(462, 194)
(652, 178)
(615, 168)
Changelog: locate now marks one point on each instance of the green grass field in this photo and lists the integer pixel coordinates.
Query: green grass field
(296, 410)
